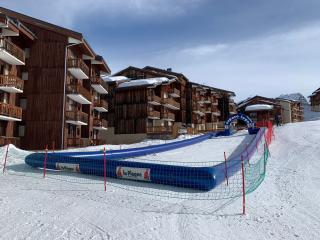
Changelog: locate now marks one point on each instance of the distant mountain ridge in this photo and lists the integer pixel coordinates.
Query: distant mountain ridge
(295, 96)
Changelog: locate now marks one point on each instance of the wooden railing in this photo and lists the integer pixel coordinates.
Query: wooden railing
(12, 49)
(78, 63)
(101, 103)
(159, 130)
(11, 81)
(77, 142)
(10, 110)
(77, 116)
(98, 81)
(100, 123)
(154, 114)
(175, 92)
(154, 98)
(171, 102)
(79, 89)
(168, 115)
(9, 140)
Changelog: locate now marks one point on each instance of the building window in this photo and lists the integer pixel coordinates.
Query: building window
(25, 76)
(27, 52)
(23, 103)
(21, 130)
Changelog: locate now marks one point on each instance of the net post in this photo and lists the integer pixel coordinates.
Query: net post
(226, 168)
(105, 169)
(5, 158)
(243, 188)
(45, 162)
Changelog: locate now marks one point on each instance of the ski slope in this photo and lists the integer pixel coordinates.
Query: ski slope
(285, 206)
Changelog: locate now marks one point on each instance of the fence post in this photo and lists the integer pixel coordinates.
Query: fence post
(45, 162)
(105, 169)
(243, 188)
(226, 168)
(5, 158)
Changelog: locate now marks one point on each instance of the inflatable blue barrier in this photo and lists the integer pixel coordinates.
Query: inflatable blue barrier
(200, 178)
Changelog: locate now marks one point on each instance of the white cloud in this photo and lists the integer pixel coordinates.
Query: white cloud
(64, 12)
(268, 65)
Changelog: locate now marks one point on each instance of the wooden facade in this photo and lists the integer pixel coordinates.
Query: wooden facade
(139, 104)
(208, 107)
(63, 98)
(151, 108)
(315, 100)
(292, 111)
(267, 114)
(14, 40)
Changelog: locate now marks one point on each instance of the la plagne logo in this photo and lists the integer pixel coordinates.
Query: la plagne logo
(141, 174)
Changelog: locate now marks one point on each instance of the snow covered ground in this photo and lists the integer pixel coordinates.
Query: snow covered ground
(285, 206)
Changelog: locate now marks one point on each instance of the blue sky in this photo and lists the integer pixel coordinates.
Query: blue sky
(248, 46)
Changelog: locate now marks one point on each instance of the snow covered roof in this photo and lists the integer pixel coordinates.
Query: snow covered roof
(259, 107)
(146, 82)
(115, 78)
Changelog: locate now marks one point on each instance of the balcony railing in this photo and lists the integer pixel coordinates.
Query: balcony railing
(11, 82)
(100, 104)
(100, 123)
(77, 142)
(171, 102)
(79, 90)
(175, 92)
(159, 130)
(11, 111)
(12, 49)
(77, 116)
(9, 140)
(154, 114)
(168, 116)
(154, 99)
(99, 85)
(78, 64)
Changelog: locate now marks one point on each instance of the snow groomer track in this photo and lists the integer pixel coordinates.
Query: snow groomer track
(119, 164)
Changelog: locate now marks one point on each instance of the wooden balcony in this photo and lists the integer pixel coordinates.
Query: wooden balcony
(77, 142)
(100, 124)
(79, 94)
(159, 130)
(216, 112)
(77, 118)
(78, 68)
(154, 114)
(100, 105)
(11, 84)
(99, 85)
(171, 103)
(10, 53)
(168, 116)
(174, 93)
(9, 140)
(154, 100)
(10, 112)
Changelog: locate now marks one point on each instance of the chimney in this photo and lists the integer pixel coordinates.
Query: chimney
(169, 69)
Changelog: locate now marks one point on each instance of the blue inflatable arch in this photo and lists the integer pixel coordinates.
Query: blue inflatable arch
(243, 117)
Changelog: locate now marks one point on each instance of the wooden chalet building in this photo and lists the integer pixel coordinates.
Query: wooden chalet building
(61, 98)
(152, 102)
(260, 109)
(292, 111)
(315, 100)
(146, 101)
(208, 107)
